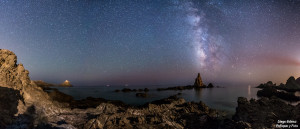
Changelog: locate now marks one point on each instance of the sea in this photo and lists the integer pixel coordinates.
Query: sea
(224, 99)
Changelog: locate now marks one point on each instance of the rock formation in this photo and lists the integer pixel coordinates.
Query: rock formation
(264, 113)
(292, 84)
(66, 84)
(298, 80)
(198, 81)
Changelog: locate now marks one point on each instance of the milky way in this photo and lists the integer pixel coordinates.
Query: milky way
(208, 47)
(151, 42)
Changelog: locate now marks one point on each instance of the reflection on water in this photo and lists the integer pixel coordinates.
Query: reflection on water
(249, 91)
(198, 93)
(218, 98)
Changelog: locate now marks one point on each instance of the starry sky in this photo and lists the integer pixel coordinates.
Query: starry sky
(154, 42)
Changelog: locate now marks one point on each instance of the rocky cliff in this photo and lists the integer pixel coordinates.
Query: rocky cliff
(265, 112)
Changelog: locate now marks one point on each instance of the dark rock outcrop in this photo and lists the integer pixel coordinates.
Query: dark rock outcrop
(298, 80)
(132, 90)
(176, 88)
(9, 99)
(198, 81)
(268, 84)
(292, 84)
(210, 85)
(264, 113)
(270, 91)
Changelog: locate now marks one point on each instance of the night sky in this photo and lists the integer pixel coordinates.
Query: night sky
(154, 42)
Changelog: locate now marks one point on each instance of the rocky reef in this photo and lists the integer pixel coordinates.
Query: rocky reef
(265, 112)
(133, 90)
(270, 91)
(291, 85)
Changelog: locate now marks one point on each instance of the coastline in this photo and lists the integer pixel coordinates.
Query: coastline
(26, 105)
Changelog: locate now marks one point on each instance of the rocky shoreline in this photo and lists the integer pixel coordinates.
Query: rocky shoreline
(282, 91)
(24, 105)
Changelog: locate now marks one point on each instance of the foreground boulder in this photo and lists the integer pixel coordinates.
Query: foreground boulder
(264, 113)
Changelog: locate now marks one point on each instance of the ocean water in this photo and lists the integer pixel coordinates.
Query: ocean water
(224, 99)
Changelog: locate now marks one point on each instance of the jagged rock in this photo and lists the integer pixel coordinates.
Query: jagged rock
(198, 81)
(298, 80)
(270, 91)
(12, 75)
(264, 113)
(188, 87)
(66, 83)
(210, 85)
(291, 83)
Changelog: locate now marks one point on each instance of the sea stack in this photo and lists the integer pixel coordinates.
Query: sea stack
(198, 81)
(66, 84)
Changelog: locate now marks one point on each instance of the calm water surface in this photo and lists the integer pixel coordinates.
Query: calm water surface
(218, 98)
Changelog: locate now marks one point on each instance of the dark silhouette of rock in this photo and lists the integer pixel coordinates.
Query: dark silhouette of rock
(146, 90)
(66, 83)
(198, 81)
(270, 91)
(133, 90)
(210, 85)
(298, 80)
(291, 83)
(126, 90)
(176, 88)
(9, 100)
(264, 113)
(268, 84)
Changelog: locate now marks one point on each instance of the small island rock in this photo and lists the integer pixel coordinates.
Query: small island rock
(198, 81)
(66, 84)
